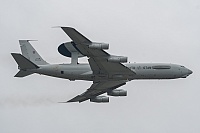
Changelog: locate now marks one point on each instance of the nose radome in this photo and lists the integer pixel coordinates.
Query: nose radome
(189, 71)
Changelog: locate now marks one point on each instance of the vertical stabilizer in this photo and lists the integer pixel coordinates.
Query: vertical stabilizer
(30, 53)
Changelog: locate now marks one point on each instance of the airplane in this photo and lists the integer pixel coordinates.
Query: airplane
(108, 72)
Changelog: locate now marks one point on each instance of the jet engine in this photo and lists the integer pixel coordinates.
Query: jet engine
(118, 92)
(99, 46)
(118, 59)
(100, 99)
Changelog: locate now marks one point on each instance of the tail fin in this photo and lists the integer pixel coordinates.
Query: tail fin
(23, 64)
(30, 53)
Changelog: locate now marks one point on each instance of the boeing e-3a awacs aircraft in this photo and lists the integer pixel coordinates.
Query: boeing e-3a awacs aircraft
(105, 70)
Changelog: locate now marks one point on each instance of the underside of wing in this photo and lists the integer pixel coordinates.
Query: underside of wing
(97, 89)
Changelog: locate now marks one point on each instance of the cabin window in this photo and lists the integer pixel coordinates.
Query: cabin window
(161, 67)
(62, 72)
(146, 67)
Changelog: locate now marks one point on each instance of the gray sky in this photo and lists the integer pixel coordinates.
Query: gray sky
(144, 30)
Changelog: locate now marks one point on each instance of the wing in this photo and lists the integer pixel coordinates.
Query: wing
(81, 43)
(75, 35)
(97, 89)
(97, 57)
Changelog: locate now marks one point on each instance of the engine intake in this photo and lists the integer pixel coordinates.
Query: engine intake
(118, 59)
(100, 99)
(118, 92)
(99, 46)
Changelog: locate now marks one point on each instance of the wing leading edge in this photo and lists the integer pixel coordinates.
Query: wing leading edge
(75, 35)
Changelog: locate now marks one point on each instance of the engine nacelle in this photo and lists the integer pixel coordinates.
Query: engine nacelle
(99, 46)
(118, 59)
(118, 92)
(100, 99)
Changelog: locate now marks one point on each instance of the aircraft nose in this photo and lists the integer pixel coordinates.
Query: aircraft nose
(189, 71)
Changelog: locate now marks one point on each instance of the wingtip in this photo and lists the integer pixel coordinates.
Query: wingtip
(56, 27)
(67, 27)
(62, 102)
(25, 40)
(67, 102)
(13, 54)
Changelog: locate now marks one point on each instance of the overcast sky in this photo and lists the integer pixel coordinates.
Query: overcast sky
(166, 31)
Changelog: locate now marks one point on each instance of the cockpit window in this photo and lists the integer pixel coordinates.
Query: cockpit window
(161, 67)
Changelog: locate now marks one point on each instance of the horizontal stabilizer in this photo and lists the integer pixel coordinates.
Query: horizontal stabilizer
(23, 62)
(22, 73)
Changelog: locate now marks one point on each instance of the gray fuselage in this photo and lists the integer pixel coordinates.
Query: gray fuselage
(141, 70)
